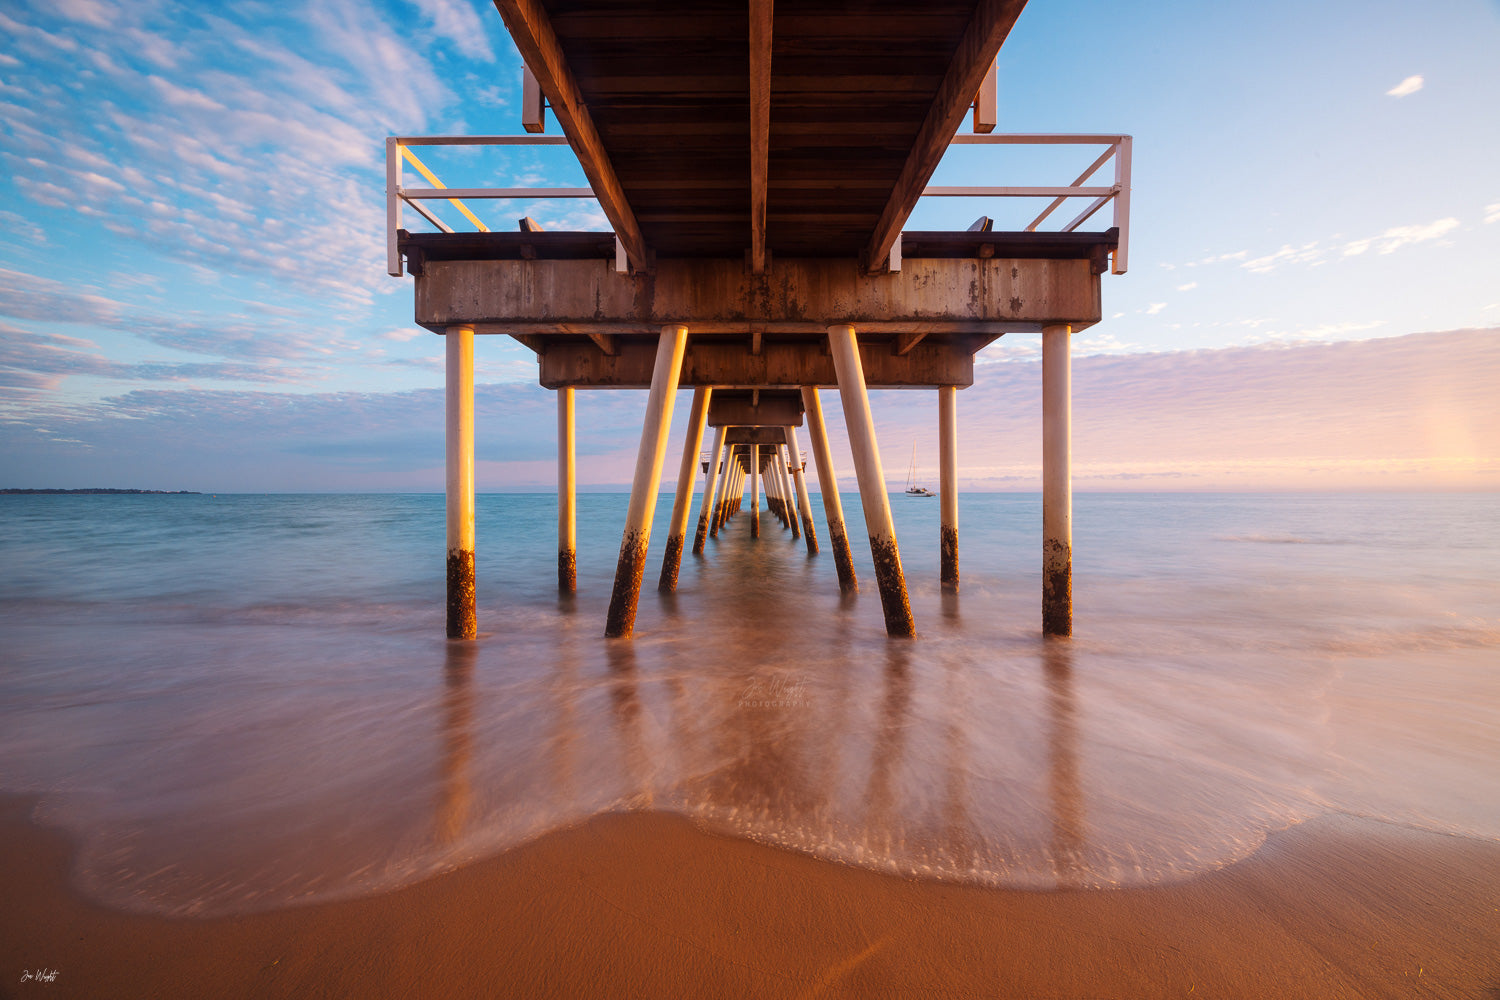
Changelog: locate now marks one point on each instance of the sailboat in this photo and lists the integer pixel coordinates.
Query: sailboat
(912, 489)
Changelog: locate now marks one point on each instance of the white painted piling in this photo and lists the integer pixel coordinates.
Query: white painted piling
(1057, 481)
(788, 497)
(828, 487)
(804, 502)
(710, 491)
(567, 499)
(948, 484)
(740, 470)
(773, 482)
(872, 491)
(726, 495)
(459, 404)
(653, 452)
(755, 491)
(682, 505)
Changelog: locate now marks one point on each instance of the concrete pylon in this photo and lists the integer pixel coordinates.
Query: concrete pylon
(567, 500)
(804, 502)
(652, 453)
(463, 621)
(1057, 481)
(828, 488)
(948, 485)
(683, 503)
(710, 491)
(872, 492)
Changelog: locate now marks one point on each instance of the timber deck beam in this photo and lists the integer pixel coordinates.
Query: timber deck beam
(592, 325)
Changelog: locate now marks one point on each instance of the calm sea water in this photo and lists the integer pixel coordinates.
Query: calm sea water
(235, 702)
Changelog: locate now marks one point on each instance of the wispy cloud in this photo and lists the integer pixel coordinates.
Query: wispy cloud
(1242, 417)
(31, 361)
(166, 143)
(1394, 239)
(1406, 87)
(1492, 213)
(1187, 287)
(459, 23)
(266, 341)
(1316, 253)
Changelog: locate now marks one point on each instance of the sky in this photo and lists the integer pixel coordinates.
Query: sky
(193, 291)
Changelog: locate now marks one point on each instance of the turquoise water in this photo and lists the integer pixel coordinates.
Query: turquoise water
(235, 702)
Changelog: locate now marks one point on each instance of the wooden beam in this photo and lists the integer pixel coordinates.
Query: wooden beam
(533, 108)
(975, 55)
(905, 342)
(764, 435)
(986, 104)
(532, 31)
(730, 408)
(725, 364)
(760, 127)
(606, 343)
(930, 295)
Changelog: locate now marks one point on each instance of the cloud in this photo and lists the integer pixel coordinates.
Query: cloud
(1492, 213)
(457, 21)
(1315, 253)
(1307, 253)
(249, 146)
(1155, 308)
(1394, 239)
(258, 339)
(31, 361)
(1408, 410)
(1187, 287)
(1406, 87)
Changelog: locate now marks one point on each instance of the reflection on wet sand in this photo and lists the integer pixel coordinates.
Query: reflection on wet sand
(625, 705)
(563, 742)
(883, 813)
(958, 841)
(1062, 773)
(455, 797)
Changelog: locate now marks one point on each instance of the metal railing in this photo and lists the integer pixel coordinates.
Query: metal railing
(1117, 149)
(398, 151)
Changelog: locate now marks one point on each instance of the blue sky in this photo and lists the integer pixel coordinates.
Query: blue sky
(193, 292)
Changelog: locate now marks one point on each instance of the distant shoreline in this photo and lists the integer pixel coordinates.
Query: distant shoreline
(94, 492)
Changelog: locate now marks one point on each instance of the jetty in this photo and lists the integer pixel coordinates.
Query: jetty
(758, 166)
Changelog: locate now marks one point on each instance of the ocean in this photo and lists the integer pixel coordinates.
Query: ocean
(234, 703)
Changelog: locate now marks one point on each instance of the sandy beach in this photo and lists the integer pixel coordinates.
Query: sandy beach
(644, 904)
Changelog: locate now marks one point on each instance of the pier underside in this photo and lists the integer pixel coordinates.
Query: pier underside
(757, 166)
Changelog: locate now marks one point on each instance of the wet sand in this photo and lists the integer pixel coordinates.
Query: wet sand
(644, 904)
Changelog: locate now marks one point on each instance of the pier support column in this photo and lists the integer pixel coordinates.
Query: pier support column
(773, 483)
(462, 617)
(732, 488)
(653, 452)
(567, 500)
(828, 486)
(682, 505)
(755, 491)
(710, 491)
(804, 502)
(721, 512)
(948, 484)
(872, 492)
(788, 497)
(1057, 481)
